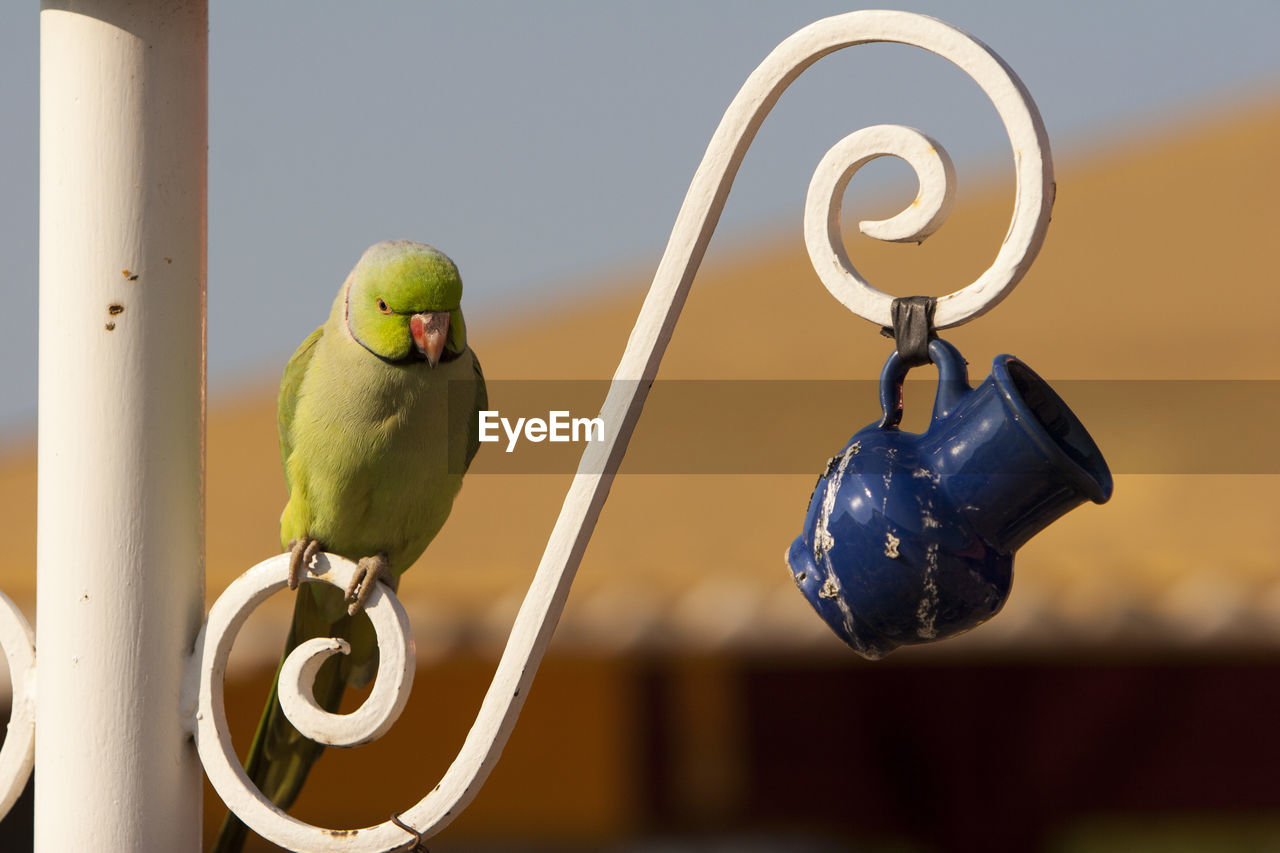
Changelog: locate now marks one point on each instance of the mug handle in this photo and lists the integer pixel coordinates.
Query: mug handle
(953, 383)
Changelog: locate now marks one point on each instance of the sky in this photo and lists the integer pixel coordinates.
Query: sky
(546, 145)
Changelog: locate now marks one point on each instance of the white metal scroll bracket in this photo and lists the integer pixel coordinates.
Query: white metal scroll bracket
(694, 225)
(17, 756)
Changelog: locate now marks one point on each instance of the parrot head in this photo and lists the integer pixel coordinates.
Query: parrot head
(403, 304)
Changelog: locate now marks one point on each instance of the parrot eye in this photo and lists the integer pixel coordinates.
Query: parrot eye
(382, 306)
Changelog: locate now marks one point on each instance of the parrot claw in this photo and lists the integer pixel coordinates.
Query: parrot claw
(301, 553)
(369, 571)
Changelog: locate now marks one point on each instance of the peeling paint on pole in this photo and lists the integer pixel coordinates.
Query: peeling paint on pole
(123, 150)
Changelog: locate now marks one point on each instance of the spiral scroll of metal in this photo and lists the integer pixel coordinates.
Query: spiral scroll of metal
(695, 223)
(18, 753)
(374, 717)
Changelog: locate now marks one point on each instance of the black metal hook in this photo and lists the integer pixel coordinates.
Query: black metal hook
(912, 328)
(416, 845)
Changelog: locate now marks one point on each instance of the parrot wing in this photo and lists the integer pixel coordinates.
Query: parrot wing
(481, 404)
(290, 384)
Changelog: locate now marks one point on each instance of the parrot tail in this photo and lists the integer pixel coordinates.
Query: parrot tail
(280, 756)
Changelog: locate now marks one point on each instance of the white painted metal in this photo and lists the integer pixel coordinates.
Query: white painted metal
(18, 753)
(207, 669)
(123, 143)
(932, 205)
(934, 170)
(1032, 165)
(694, 225)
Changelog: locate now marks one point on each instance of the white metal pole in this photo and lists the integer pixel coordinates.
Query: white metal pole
(123, 149)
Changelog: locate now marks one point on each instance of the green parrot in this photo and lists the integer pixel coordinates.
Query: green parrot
(378, 420)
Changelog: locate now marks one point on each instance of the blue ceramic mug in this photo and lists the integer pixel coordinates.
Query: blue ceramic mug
(910, 537)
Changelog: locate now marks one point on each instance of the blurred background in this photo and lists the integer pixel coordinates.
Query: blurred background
(1123, 700)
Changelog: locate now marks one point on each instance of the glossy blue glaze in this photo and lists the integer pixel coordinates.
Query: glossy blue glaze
(910, 537)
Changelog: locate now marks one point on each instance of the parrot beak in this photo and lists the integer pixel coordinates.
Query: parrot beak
(430, 330)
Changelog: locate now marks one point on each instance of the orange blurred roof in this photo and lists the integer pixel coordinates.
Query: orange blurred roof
(1160, 265)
